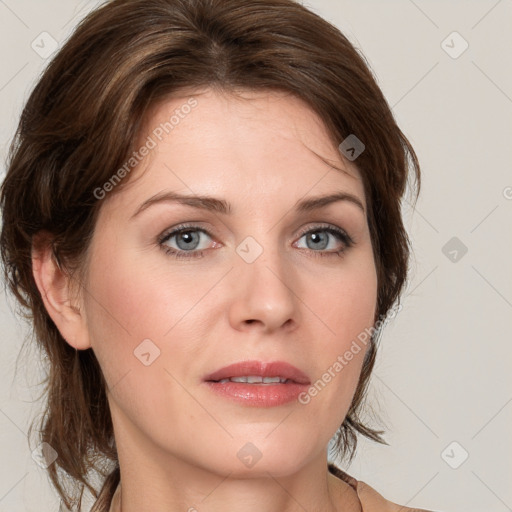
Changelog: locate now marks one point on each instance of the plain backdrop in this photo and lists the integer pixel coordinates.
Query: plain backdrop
(442, 383)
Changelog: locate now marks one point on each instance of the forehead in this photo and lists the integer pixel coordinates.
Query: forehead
(259, 146)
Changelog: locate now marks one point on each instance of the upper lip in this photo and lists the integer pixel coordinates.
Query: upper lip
(260, 368)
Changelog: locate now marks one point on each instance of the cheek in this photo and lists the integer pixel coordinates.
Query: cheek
(129, 309)
(133, 298)
(348, 303)
(128, 296)
(346, 311)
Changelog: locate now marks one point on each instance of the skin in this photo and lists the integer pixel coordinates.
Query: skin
(177, 440)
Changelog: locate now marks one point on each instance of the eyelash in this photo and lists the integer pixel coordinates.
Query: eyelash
(178, 254)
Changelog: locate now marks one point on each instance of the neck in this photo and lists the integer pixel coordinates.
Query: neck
(154, 478)
(174, 485)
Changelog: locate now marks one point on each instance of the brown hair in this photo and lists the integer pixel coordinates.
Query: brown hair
(82, 120)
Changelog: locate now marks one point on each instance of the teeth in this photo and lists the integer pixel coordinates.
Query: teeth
(270, 380)
(255, 379)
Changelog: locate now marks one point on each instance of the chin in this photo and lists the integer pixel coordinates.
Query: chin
(260, 457)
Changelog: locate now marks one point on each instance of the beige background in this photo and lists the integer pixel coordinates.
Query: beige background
(443, 373)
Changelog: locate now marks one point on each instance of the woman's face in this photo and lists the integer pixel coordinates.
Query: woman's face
(164, 311)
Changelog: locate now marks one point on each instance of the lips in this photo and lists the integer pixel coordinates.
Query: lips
(258, 384)
(284, 371)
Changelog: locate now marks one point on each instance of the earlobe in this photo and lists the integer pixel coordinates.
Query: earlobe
(55, 286)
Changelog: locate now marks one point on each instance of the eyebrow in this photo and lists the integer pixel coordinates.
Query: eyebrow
(217, 205)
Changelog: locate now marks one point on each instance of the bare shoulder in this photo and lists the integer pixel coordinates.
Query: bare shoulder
(373, 501)
(370, 500)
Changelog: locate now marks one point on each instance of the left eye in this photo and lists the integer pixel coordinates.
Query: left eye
(320, 237)
(187, 239)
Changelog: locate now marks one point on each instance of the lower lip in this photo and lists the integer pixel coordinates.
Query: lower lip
(258, 395)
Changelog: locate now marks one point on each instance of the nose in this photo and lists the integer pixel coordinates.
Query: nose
(263, 296)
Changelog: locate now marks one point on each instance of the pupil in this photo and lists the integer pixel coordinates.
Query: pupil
(188, 237)
(318, 238)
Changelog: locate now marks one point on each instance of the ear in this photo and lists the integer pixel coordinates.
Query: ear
(58, 292)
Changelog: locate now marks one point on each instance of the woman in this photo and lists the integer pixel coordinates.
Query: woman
(173, 171)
